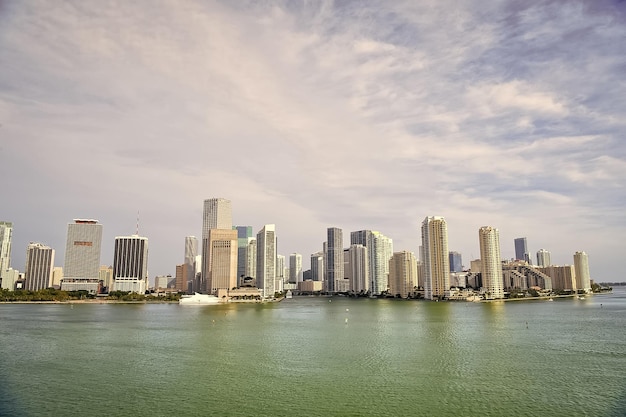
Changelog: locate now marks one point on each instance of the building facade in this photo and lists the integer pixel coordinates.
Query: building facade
(435, 257)
(456, 262)
(317, 266)
(221, 260)
(334, 258)
(39, 266)
(81, 270)
(6, 233)
(216, 214)
(543, 258)
(295, 268)
(521, 249)
(266, 260)
(491, 264)
(130, 264)
(581, 266)
(402, 274)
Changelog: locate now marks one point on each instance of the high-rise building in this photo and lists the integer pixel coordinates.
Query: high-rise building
(81, 270)
(295, 268)
(282, 270)
(435, 257)
(39, 266)
(191, 252)
(581, 266)
(266, 260)
(402, 274)
(221, 260)
(6, 231)
(244, 255)
(130, 264)
(106, 276)
(491, 265)
(563, 276)
(317, 266)
(334, 259)
(521, 250)
(217, 214)
(543, 258)
(379, 250)
(57, 277)
(456, 262)
(357, 268)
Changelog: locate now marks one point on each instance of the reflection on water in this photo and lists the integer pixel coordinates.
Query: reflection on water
(316, 356)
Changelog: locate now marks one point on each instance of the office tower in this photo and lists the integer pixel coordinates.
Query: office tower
(221, 260)
(317, 266)
(581, 267)
(357, 269)
(295, 268)
(266, 251)
(435, 257)
(191, 251)
(39, 265)
(334, 259)
(491, 265)
(217, 214)
(82, 256)
(402, 274)
(456, 264)
(130, 264)
(244, 238)
(282, 271)
(521, 250)
(543, 258)
(106, 276)
(6, 231)
(250, 255)
(379, 249)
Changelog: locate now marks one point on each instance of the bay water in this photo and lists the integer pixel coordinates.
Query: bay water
(316, 356)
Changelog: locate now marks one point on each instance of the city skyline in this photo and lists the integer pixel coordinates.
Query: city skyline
(361, 115)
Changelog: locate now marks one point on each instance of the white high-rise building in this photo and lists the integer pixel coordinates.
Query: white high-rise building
(402, 274)
(295, 268)
(358, 269)
(282, 271)
(39, 266)
(266, 260)
(130, 264)
(581, 266)
(81, 270)
(435, 257)
(491, 265)
(6, 231)
(317, 266)
(543, 258)
(379, 251)
(217, 214)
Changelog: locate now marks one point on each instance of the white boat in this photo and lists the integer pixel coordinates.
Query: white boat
(198, 299)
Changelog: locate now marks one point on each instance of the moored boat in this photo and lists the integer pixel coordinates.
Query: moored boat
(198, 299)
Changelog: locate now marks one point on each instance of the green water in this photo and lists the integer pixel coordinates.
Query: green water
(316, 357)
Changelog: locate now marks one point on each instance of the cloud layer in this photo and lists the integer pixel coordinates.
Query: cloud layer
(311, 115)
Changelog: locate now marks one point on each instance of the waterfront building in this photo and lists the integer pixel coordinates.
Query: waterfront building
(543, 258)
(435, 257)
(105, 275)
(162, 281)
(266, 260)
(581, 266)
(563, 276)
(39, 265)
(282, 270)
(246, 253)
(491, 264)
(216, 214)
(521, 249)
(295, 268)
(379, 249)
(81, 270)
(130, 264)
(356, 268)
(6, 232)
(334, 259)
(57, 277)
(191, 252)
(11, 278)
(456, 263)
(221, 260)
(317, 266)
(402, 274)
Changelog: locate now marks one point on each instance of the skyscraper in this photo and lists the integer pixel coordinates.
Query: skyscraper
(435, 257)
(402, 274)
(81, 270)
(317, 266)
(334, 259)
(6, 231)
(130, 264)
(266, 260)
(39, 266)
(217, 214)
(491, 265)
(244, 237)
(581, 267)
(358, 273)
(295, 268)
(543, 258)
(188, 269)
(221, 260)
(521, 250)
(379, 251)
(456, 262)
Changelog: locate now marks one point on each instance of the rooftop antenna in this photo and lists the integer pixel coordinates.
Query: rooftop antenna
(137, 230)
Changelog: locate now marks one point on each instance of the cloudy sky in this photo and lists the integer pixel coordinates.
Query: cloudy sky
(309, 115)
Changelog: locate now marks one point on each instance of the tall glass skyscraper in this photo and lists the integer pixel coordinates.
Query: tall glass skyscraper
(456, 262)
(521, 250)
(216, 214)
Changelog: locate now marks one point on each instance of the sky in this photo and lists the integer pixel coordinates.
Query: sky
(316, 114)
